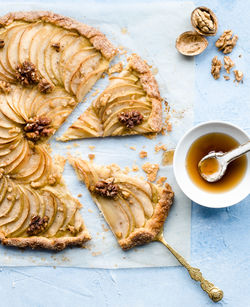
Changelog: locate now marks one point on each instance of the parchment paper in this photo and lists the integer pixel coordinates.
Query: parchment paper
(149, 30)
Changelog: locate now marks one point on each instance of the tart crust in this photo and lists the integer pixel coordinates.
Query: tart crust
(98, 39)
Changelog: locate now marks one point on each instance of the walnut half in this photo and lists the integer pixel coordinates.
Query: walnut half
(216, 67)
(26, 74)
(226, 41)
(37, 128)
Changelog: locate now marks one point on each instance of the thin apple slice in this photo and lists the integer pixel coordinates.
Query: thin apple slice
(7, 148)
(26, 40)
(10, 114)
(60, 216)
(65, 39)
(125, 206)
(4, 188)
(73, 64)
(15, 225)
(34, 205)
(12, 53)
(4, 121)
(14, 155)
(16, 210)
(115, 216)
(50, 208)
(40, 61)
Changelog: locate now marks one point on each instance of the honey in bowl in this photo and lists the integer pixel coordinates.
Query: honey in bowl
(215, 142)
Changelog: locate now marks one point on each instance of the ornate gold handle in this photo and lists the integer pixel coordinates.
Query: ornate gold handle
(213, 292)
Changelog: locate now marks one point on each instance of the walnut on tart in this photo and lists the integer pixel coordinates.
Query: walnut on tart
(135, 209)
(131, 104)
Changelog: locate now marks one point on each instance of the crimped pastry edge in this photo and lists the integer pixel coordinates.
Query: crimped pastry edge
(154, 225)
(97, 38)
(57, 244)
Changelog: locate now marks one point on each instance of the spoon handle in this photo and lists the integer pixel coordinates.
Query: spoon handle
(237, 152)
(213, 292)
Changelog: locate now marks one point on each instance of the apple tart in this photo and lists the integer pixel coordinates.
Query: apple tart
(134, 209)
(131, 104)
(47, 65)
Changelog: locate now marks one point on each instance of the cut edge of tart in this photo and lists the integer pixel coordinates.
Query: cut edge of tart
(134, 209)
(131, 104)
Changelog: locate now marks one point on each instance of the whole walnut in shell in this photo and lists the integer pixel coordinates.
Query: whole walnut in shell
(204, 21)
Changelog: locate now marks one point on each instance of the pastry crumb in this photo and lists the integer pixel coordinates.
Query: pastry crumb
(132, 147)
(135, 168)
(104, 228)
(90, 211)
(160, 147)
(79, 195)
(91, 156)
(116, 68)
(151, 170)
(68, 147)
(91, 147)
(76, 145)
(161, 180)
(94, 254)
(143, 154)
(124, 30)
(226, 78)
(126, 170)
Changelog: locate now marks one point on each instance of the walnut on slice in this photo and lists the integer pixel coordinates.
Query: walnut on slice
(37, 128)
(226, 41)
(44, 86)
(56, 46)
(130, 119)
(26, 74)
(37, 225)
(216, 67)
(228, 63)
(106, 188)
(2, 43)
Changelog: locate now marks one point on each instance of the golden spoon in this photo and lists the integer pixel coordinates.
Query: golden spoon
(213, 292)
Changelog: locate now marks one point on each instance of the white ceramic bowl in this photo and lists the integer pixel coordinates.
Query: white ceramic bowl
(202, 197)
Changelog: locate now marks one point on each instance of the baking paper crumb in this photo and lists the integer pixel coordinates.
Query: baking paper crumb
(90, 211)
(95, 93)
(161, 180)
(79, 195)
(160, 147)
(91, 156)
(135, 168)
(91, 147)
(151, 170)
(132, 147)
(143, 154)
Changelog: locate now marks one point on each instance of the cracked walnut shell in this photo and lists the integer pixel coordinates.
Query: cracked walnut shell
(204, 21)
(191, 43)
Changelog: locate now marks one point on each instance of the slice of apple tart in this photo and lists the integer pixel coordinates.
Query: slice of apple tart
(131, 104)
(134, 209)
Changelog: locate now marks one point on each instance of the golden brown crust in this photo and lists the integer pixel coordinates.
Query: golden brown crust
(155, 224)
(98, 39)
(57, 244)
(150, 86)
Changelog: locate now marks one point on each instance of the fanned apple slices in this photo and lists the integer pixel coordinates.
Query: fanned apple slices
(48, 63)
(131, 104)
(66, 53)
(134, 209)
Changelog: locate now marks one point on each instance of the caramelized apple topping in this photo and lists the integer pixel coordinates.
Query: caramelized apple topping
(56, 46)
(37, 128)
(130, 119)
(106, 188)
(37, 225)
(2, 43)
(5, 87)
(45, 87)
(26, 74)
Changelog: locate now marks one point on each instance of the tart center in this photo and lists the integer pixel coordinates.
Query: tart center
(37, 128)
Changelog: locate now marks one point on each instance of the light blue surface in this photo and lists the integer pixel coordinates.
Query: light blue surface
(220, 238)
